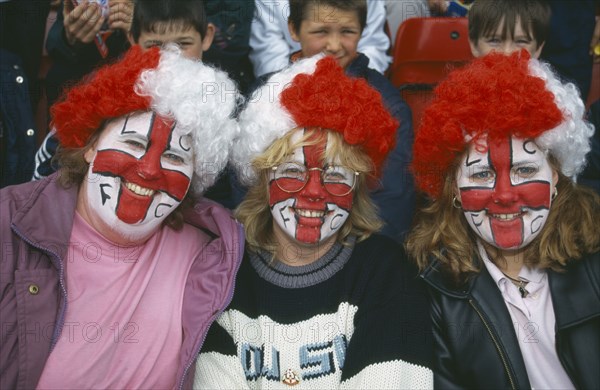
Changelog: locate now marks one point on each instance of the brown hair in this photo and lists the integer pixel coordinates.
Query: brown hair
(486, 15)
(569, 233)
(299, 10)
(255, 214)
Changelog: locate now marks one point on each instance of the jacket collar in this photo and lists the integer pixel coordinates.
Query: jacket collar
(45, 220)
(217, 222)
(436, 278)
(576, 292)
(575, 296)
(483, 295)
(359, 66)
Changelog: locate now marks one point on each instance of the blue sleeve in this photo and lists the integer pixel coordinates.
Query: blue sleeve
(16, 122)
(43, 157)
(395, 197)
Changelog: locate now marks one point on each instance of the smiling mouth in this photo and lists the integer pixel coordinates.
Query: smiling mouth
(310, 213)
(507, 217)
(141, 191)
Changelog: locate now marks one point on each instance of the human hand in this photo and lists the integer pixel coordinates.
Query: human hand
(81, 22)
(595, 42)
(120, 14)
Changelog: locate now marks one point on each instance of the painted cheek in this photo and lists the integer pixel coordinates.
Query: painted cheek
(506, 198)
(475, 199)
(276, 194)
(145, 172)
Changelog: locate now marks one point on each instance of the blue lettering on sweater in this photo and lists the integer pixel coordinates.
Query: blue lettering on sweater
(256, 365)
(316, 359)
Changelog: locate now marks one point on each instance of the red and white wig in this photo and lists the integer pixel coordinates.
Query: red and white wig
(498, 96)
(313, 93)
(199, 98)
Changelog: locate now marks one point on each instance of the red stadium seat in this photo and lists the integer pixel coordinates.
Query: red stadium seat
(425, 51)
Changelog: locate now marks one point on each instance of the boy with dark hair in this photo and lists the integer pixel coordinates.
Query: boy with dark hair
(188, 24)
(334, 27)
(507, 26)
(154, 23)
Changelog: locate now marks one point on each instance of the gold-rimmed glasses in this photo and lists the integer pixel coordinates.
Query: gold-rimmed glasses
(336, 179)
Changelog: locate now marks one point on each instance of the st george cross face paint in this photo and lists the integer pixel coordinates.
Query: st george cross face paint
(311, 215)
(505, 190)
(140, 172)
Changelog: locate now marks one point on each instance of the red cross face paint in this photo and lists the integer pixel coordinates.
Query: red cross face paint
(505, 190)
(312, 214)
(141, 171)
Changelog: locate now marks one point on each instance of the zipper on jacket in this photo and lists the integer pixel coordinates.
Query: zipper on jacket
(221, 310)
(496, 344)
(61, 316)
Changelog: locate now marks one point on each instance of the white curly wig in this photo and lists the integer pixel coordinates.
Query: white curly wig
(265, 120)
(199, 98)
(202, 100)
(569, 142)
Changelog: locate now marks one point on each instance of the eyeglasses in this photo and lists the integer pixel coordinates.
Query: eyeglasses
(337, 180)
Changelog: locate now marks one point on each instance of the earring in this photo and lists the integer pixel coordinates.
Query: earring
(555, 193)
(456, 203)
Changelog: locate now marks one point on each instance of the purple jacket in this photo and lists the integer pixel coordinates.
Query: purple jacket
(35, 227)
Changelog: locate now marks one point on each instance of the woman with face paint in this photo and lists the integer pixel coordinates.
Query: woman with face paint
(114, 268)
(321, 301)
(508, 244)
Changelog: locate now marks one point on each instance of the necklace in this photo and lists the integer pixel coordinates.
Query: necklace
(520, 283)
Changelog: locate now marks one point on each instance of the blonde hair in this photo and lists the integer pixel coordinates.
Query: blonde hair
(255, 213)
(443, 233)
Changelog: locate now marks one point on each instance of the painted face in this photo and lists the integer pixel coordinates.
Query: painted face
(505, 189)
(329, 30)
(311, 215)
(141, 171)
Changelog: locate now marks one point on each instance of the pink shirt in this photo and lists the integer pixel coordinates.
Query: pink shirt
(534, 321)
(123, 321)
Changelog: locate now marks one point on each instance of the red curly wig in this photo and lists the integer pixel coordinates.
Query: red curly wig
(108, 93)
(329, 99)
(494, 96)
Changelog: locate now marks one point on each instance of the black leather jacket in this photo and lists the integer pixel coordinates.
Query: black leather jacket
(475, 341)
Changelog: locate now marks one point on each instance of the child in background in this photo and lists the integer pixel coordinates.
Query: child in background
(155, 23)
(334, 27)
(272, 44)
(507, 26)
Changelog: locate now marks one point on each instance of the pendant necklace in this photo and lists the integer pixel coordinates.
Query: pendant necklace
(520, 283)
